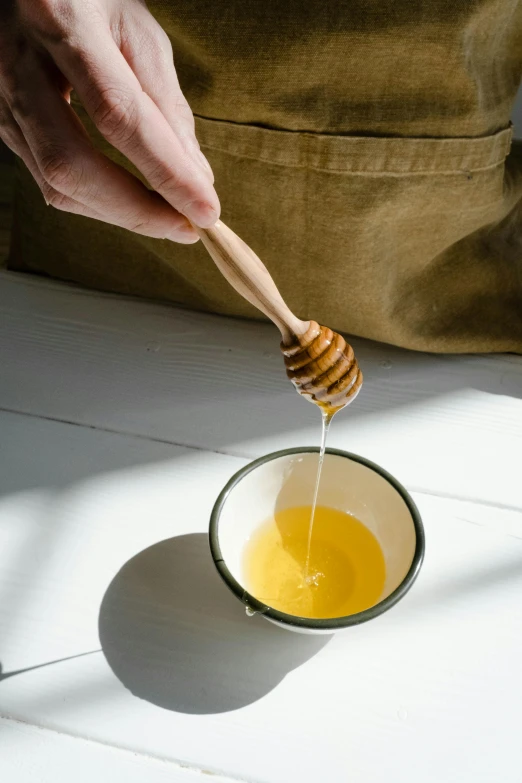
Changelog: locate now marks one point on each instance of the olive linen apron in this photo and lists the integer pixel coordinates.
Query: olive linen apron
(363, 149)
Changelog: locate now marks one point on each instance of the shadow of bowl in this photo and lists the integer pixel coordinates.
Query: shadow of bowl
(175, 636)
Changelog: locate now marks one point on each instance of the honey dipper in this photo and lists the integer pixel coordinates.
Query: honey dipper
(319, 362)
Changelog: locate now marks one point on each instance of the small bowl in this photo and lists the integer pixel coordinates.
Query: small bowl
(348, 483)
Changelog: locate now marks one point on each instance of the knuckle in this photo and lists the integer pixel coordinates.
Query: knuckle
(54, 198)
(185, 112)
(178, 187)
(140, 225)
(168, 182)
(163, 42)
(9, 138)
(50, 19)
(7, 130)
(151, 37)
(13, 83)
(116, 116)
(59, 22)
(19, 102)
(60, 171)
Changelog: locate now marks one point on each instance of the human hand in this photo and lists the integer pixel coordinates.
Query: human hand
(119, 62)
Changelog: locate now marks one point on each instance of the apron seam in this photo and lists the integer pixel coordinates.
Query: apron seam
(357, 172)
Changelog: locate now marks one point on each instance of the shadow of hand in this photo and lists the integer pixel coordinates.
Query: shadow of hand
(175, 636)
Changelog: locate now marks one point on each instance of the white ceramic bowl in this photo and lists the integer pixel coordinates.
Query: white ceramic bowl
(349, 483)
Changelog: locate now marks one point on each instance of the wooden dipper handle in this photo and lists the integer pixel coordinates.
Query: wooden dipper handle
(249, 276)
(319, 362)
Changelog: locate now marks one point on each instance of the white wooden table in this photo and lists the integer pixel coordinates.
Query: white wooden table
(123, 656)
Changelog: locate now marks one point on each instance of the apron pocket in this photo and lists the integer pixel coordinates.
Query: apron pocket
(360, 232)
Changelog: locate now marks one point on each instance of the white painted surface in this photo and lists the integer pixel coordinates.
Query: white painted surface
(436, 423)
(103, 551)
(33, 755)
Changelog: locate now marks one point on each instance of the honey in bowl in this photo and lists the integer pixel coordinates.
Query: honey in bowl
(343, 574)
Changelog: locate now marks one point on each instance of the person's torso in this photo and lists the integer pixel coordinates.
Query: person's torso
(386, 67)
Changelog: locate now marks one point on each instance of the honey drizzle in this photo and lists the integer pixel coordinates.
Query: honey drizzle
(327, 416)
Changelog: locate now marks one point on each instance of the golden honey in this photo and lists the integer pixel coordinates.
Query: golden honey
(346, 567)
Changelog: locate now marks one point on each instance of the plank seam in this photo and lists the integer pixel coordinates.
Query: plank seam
(181, 765)
(248, 457)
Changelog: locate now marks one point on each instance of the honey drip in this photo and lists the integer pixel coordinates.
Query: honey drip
(327, 417)
(315, 561)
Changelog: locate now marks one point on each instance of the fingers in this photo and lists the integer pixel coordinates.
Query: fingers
(131, 121)
(147, 49)
(76, 177)
(11, 135)
(9, 130)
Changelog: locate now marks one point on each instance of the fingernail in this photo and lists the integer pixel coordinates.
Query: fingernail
(185, 240)
(201, 213)
(184, 233)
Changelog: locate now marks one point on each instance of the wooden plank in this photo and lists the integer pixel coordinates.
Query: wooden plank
(29, 754)
(45, 468)
(444, 425)
(115, 552)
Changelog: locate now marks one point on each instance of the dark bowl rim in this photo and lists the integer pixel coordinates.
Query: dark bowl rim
(307, 623)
